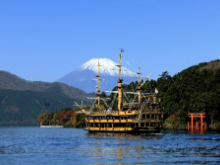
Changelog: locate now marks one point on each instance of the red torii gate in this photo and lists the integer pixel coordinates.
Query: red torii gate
(203, 125)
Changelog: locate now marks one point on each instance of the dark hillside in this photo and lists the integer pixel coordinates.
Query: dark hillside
(21, 101)
(13, 82)
(23, 107)
(195, 89)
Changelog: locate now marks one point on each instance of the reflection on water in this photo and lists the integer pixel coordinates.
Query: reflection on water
(197, 132)
(75, 146)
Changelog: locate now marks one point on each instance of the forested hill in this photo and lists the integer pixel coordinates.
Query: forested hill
(21, 101)
(13, 82)
(195, 89)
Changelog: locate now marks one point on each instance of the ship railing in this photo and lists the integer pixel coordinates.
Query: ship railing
(153, 111)
(130, 112)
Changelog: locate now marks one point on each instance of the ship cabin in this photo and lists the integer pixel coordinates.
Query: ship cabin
(136, 117)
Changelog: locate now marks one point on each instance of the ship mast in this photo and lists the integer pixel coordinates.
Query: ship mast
(119, 84)
(139, 85)
(98, 85)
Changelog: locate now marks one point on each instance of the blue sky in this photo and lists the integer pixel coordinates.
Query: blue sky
(43, 40)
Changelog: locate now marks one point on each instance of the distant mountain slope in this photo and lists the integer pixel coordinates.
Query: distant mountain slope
(81, 77)
(23, 107)
(22, 101)
(13, 82)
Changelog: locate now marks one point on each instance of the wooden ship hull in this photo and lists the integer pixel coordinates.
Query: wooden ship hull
(130, 116)
(148, 117)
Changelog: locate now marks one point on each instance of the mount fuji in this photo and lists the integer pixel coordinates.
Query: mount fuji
(82, 77)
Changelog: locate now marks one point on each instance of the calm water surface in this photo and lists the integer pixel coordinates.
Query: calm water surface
(33, 145)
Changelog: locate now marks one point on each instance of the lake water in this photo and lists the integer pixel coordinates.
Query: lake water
(34, 145)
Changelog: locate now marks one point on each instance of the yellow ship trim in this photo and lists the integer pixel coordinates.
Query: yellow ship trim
(109, 121)
(115, 129)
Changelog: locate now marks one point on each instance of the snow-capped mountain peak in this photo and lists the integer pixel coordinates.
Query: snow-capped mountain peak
(81, 77)
(107, 67)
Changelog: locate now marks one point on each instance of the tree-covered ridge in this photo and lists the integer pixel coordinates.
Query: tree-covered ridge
(66, 117)
(22, 101)
(212, 65)
(13, 82)
(196, 89)
(23, 107)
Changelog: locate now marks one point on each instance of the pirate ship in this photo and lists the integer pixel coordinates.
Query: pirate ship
(129, 116)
